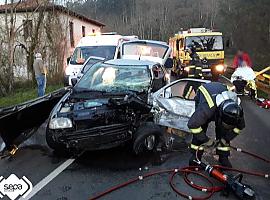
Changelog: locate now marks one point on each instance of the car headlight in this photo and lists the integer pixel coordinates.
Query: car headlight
(220, 68)
(60, 123)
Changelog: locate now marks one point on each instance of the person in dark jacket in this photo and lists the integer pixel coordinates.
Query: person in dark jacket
(195, 65)
(213, 102)
(195, 71)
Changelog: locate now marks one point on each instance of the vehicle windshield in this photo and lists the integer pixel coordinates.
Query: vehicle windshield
(81, 54)
(205, 43)
(145, 49)
(113, 78)
(90, 63)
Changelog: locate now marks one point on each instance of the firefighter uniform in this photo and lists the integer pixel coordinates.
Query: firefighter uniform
(195, 68)
(206, 110)
(195, 71)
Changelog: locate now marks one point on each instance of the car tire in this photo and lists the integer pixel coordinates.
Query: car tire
(147, 133)
(59, 148)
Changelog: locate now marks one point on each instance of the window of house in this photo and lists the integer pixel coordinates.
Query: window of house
(71, 34)
(83, 31)
(27, 28)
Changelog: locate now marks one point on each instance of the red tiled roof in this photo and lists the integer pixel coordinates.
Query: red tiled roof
(31, 5)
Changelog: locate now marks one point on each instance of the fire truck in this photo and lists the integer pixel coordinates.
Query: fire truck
(209, 46)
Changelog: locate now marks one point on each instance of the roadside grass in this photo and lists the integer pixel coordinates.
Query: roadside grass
(21, 95)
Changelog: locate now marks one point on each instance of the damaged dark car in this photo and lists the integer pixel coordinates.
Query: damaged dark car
(109, 106)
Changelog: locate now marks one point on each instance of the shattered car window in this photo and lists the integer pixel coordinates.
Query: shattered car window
(89, 64)
(113, 78)
(146, 49)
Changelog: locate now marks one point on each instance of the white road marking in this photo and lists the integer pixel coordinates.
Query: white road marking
(48, 178)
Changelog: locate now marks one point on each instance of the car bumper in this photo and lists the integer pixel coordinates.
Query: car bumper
(97, 138)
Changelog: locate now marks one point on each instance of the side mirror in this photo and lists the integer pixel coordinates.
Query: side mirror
(74, 81)
(68, 59)
(168, 63)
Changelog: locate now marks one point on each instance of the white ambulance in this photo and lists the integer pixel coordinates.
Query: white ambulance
(105, 45)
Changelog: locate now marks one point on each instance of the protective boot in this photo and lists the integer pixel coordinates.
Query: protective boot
(193, 157)
(224, 161)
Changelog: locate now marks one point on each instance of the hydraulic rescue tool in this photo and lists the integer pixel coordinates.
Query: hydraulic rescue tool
(233, 183)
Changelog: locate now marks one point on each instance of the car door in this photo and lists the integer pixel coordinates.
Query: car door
(174, 104)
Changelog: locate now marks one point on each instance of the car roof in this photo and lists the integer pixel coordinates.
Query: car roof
(130, 62)
(148, 41)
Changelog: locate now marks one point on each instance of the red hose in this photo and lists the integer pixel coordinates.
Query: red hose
(251, 154)
(208, 190)
(128, 183)
(199, 187)
(186, 171)
(241, 171)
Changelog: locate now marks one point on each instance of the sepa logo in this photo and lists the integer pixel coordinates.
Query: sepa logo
(14, 187)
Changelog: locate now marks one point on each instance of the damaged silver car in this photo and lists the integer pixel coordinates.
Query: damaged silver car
(174, 104)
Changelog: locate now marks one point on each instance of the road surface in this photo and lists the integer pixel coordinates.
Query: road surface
(57, 178)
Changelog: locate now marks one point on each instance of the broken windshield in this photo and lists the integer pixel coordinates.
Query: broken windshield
(205, 43)
(113, 78)
(81, 54)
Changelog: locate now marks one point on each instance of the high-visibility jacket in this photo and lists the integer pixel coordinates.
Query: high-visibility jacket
(205, 102)
(206, 111)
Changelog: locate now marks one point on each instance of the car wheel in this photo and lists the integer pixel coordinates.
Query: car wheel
(147, 138)
(149, 142)
(59, 148)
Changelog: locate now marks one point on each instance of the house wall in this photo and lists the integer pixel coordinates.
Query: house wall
(64, 31)
(77, 30)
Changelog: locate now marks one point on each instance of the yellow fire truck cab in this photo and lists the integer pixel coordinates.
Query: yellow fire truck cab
(209, 47)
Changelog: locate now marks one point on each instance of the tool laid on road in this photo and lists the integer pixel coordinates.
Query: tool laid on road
(233, 183)
(8, 153)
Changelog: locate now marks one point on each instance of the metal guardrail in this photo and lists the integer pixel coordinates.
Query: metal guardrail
(263, 80)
